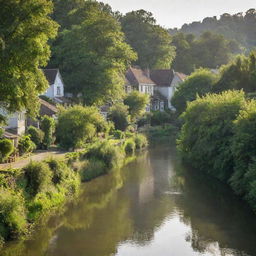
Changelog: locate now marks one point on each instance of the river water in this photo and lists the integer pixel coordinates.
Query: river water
(152, 207)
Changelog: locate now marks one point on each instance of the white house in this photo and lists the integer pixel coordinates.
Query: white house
(56, 85)
(167, 82)
(16, 122)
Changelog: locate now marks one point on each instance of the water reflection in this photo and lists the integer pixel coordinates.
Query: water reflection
(152, 207)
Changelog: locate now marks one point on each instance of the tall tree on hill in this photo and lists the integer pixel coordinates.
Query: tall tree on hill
(92, 55)
(150, 41)
(25, 28)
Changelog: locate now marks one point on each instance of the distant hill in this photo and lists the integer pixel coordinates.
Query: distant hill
(240, 27)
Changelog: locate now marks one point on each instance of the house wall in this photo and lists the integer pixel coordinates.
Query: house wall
(52, 91)
(167, 92)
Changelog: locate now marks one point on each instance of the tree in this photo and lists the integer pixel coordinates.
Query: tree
(48, 128)
(150, 41)
(238, 74)
(206, 135)
(119, 115)
(93, 56)
(197, 84)
(77, 125)
(25, 30)
(6, 149)
(136, 103)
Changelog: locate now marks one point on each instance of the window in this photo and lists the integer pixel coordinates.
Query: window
(58, 90)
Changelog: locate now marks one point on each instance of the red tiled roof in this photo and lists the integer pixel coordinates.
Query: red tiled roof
(162, 77)
(138, 76)
(50, 74)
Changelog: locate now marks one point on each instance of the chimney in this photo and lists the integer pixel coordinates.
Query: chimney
(147, 72)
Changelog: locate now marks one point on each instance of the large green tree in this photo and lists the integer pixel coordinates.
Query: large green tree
(25, 28)
(149, 40)
(93, 55)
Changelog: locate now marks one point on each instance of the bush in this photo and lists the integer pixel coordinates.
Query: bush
(77, 125)
(206, 136)
(129, 147)
(12, 214)
(160, 118)
(26, 145)
(38, 177)
(6, 149)
(118, 134)
(93, 169)
(36, 135)
(48, 127)
(106, 152)
(199, 83)
(119, 115)
(140, 141)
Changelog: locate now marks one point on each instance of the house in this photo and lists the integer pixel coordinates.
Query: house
(55, 90)
(16, 122)
(167, 82)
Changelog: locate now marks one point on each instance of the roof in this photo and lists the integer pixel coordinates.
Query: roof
(162, 77)
(51, 74)
(181, 75)
(47, 109)
(138, 76)
(9, 135)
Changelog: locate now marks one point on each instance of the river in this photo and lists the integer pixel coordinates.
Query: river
(152, 207)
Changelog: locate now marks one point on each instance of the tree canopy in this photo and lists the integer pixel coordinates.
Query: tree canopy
(25, 30)
(92, 55)
(151, 42)
(209, 50)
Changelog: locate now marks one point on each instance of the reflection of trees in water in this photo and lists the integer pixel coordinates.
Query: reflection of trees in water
(217, 217)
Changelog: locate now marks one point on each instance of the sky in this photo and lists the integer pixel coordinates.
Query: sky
(174, 13)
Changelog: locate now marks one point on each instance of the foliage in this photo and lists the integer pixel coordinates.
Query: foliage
(129, 146)
(197, 84)
(26, 145)
(48, 127)
(36, 135)
(92, 54)
(208, 51)
(140, 141)
(137, 103)
(150, 41)
(38, 177)
(6, 149)
(119, 115)
(238, 74)
(25, 30)
(93, 169)
(160, 118)
(78, 124)
(239, 27)
(244, 152)
(206, 136)
(118, 134)
(12, 214)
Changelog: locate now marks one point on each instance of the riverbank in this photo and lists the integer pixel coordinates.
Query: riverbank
(34, 192)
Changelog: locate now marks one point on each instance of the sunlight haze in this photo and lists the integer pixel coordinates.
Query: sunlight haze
(174, 13)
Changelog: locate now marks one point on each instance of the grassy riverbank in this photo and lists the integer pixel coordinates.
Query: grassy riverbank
(35, 191)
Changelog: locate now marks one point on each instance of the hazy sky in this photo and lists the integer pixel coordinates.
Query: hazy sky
(174, 13)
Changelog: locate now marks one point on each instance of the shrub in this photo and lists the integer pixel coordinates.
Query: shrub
(48, 127)
(38, 177)
(12, 214)
(118, 134)
(106, 152)
(78, 124)
(206, 136)
(6, 149)
(36, 135)
(119, 115)
(129, 147)
(26, 145)
(140, 141)
(199, 83)
(160, 118)
(93, 169)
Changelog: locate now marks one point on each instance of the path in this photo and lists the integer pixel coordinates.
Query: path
(38, 156)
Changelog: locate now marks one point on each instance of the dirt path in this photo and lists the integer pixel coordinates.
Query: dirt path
(37, 156)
